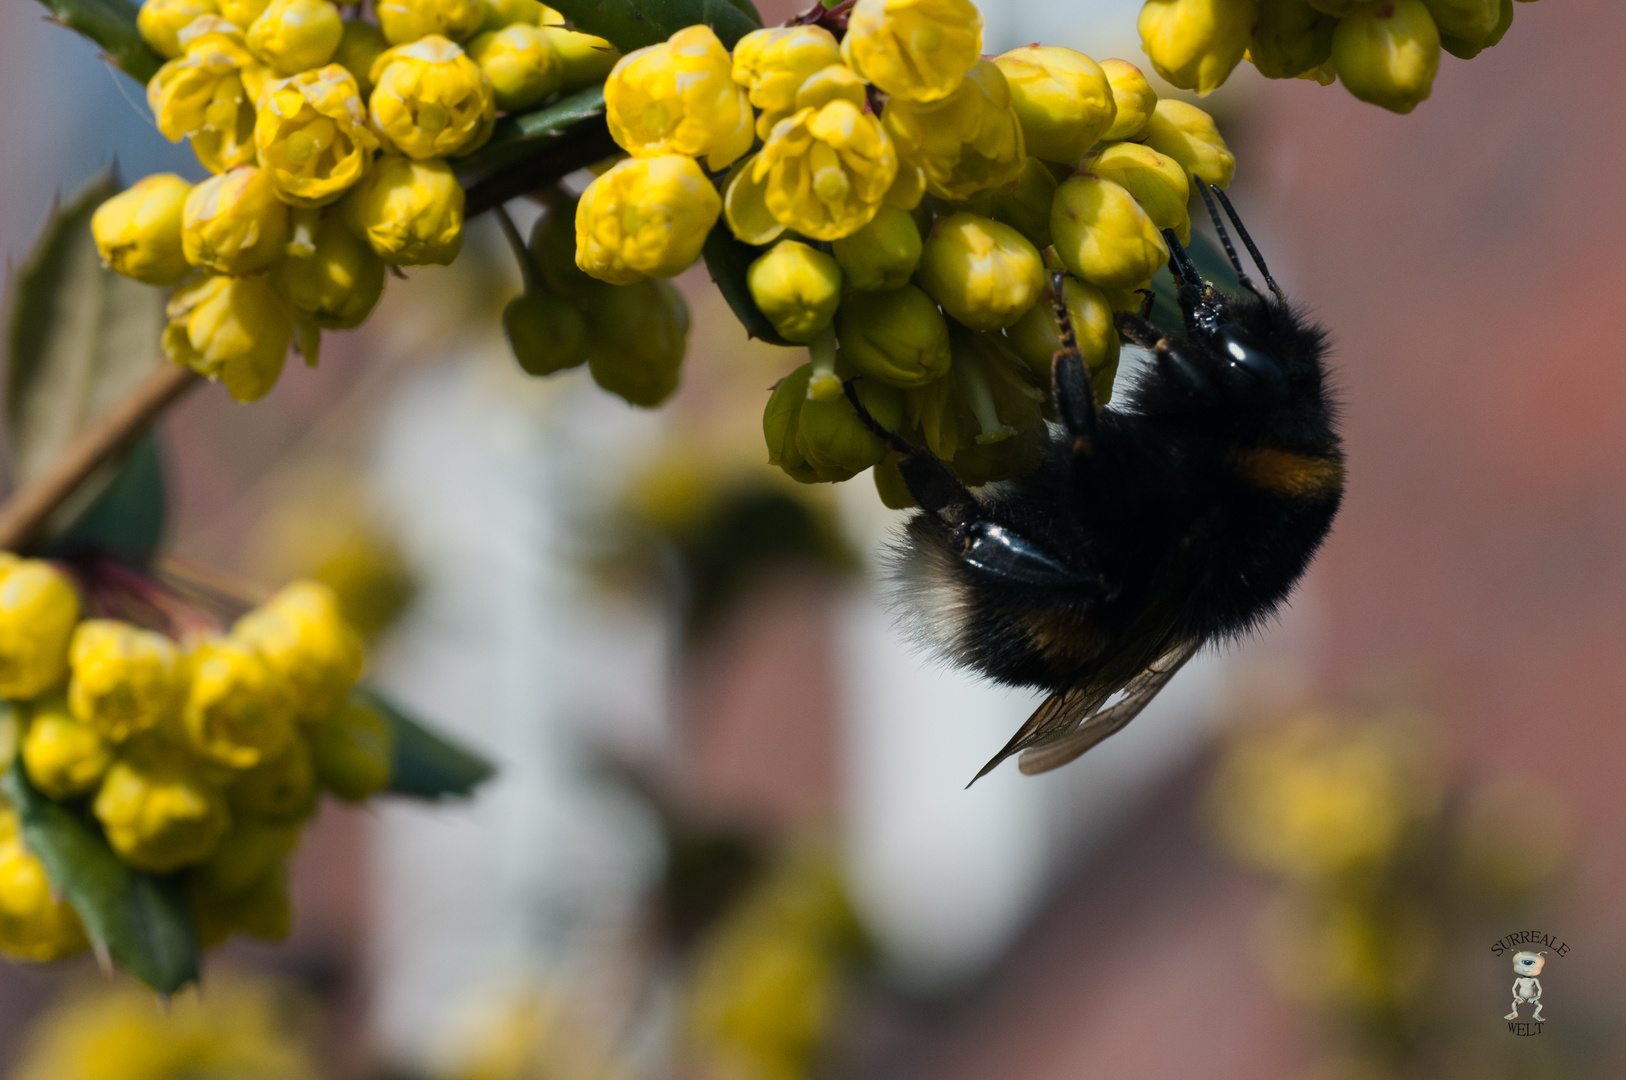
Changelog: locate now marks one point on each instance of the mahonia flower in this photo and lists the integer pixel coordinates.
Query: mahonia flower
(1025, 204)
(915, 50)
(1158, 183)
(638, 334)
(161, 21)
(411, 212)
(584, 59)
(359, 49)
(1133, 99)
(38, 610)
(430, 100)
(202, 94)
(1290, 38)
(825, 171)
(1469, 26)
(646, 216)
(984, 273)
(1035, 339)
(1103, 235)
(1388, 55)
(312, 136)
(242, 885)
(773, 64)
(797, 287)
(1195, 44)
(35, 922)
(1061, 97)
(234, 223)
(968, 143)
(1189, 136)
(63, 757)
(497, 14)
(240, 708)
(679, 97)
(293, 35)
(123, 679)
(818, 442)
(235, 330)
(745, 205)
(520, 63)
(883, 254)
(280, 788)
(242, 12)
(351, 749)
(409, 20)
(301, 634)
(159, 812)
(545, 332)
(138, 231)
(338, 282)
(898, 337)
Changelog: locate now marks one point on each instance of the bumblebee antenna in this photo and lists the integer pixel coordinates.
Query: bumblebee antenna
(1180, 264)
(1225, 239)
(1247, 241)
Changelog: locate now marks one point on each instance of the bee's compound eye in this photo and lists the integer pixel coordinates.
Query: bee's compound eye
(1245, 358)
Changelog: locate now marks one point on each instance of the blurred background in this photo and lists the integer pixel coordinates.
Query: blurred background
(730, 836)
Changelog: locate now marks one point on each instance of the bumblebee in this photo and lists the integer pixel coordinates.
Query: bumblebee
(1181, 516)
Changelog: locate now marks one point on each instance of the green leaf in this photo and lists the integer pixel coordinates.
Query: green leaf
(632, 24)
(520, 136)
(127, 522)
(728, 258)
(80, 337)
(426, 764)
(140, 918)
(112, 25)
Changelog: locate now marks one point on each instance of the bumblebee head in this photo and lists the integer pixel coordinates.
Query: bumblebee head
(1528, 964)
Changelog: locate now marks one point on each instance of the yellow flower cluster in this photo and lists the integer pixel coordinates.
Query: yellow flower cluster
(1386, 52)
(329, 138)
(205, 755)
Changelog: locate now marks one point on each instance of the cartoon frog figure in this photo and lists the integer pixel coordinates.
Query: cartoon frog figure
(1527, 965)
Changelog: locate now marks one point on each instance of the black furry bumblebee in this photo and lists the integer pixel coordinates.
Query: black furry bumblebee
(1182, 516)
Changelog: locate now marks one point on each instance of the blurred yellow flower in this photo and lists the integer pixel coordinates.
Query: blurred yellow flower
(138, 231)
(301, 634)
(295, 35)
(411, 212)
(240, 708)
(38, 609)
(234, 223)
(647, 216)
(35, 922)
(312, 136)
(63, 757)
(158, 810)
(430, 100)
(236, 330)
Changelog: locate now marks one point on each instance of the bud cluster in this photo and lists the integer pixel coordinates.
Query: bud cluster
(203, 756)
(1384, 51)
(329, 137)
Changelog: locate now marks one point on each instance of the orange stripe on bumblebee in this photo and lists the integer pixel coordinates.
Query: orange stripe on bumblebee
(1283, 472)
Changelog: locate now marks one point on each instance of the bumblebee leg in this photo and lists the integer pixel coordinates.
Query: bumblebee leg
(1140, 332)
(1146, 304)
(1070, 376)
(937, 490)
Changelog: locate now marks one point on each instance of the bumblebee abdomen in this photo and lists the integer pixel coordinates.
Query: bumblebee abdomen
(1290, 475)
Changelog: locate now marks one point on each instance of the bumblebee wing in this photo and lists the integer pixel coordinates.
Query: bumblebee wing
(1138, 694)
(1053, 719)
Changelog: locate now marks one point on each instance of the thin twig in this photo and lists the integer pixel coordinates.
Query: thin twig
(23, 513)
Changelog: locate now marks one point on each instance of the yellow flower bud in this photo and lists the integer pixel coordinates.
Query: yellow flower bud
(553, 251)
(908, 187)
(1158, 183)
(1463, 15)
(637, 337)
(138, 231)
(1195, 44)
(337, 284)
(1103, 235)
(38, 609)
(968, 143)
(1132, 96)
(35, 922)
(915, 50)
(1061, 97)
(242, 13)
(646, 216)
(431, 100)
(240, 708)
(797, 288)
(584, 60)
(898, 337)
(301, 634)
(281, 788)
(1290, 38)
(520, 62)
(124, 679)
(404, 21)
(63, 757)
(312, 136)
(1025, 206)
(411, 212)
(824, 171)
(359, 48)
(235, 330)
(252, 848)
(496, 14)
(773, 64)
(834, 443)
(679, 97)
(160, 21)
(159, 812)
(983, 272)
(883, 254)
(1188, 135)
(985, 416)
(202, 95)
(1034, 336)
(834, 83)
(234, 223)
(1387, 54)
(745, 205)
(293, 35)
(352, 749)
(545, 332)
